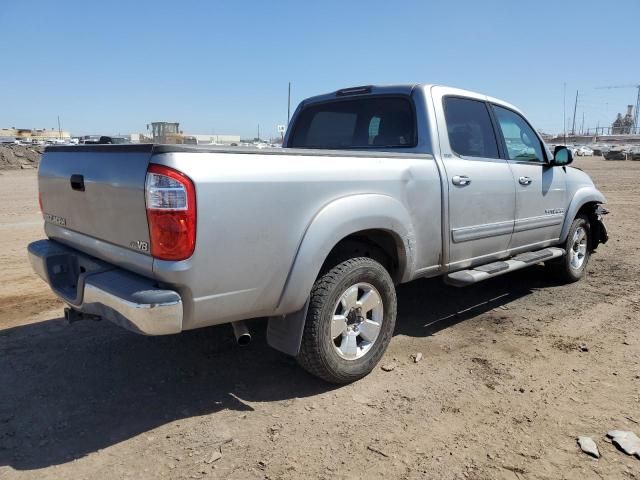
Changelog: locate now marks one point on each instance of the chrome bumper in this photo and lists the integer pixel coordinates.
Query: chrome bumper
(94, 287)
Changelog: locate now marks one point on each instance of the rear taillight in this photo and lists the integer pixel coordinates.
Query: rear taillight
(171, 213)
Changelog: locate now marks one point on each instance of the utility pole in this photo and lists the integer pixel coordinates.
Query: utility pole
(635, 118)
(564, 111)
(575, 107)
(289, 105)
(582, 126)
(59, 129)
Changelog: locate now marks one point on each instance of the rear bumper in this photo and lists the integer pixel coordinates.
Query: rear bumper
(94, 287)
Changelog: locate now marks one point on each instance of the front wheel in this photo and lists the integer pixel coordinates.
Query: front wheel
(351, 317)
(573, 265)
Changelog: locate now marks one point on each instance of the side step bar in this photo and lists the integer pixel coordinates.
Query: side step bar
(477, 274)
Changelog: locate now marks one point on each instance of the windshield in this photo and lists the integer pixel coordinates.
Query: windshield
(367, 122)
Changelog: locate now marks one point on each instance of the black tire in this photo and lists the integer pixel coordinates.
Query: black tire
(562, 269)
(317, 353)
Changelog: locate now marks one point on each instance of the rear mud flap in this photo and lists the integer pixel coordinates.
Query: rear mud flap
(284, 333)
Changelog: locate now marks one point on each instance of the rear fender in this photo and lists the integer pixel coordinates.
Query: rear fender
(335, 221)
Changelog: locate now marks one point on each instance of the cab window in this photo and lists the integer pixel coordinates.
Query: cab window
(521, 141)
(375, 122)
(470, 129)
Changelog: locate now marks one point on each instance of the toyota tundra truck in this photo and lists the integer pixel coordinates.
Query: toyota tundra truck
(375, 186)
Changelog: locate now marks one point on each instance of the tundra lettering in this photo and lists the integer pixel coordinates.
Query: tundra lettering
(552, 211)
(55, 219)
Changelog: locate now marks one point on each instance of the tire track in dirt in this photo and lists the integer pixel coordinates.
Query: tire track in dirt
(16, 309)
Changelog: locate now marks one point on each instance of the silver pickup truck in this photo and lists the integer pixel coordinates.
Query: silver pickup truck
(376, 186)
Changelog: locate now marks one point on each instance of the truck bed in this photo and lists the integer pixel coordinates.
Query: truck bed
(255, 209)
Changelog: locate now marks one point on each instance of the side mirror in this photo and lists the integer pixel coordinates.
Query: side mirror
(561, 156)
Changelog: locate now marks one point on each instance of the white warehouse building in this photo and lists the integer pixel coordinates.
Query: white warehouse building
(211, 139)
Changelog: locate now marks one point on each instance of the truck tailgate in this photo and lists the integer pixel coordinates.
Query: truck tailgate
(97, 191)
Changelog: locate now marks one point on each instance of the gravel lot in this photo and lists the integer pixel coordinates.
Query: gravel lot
(502, 392)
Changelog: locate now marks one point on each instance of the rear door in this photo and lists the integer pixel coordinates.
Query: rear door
(97, 191)
(541, 193)
(480, 184)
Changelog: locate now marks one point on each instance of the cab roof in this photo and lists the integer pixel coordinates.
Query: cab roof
(401, 89)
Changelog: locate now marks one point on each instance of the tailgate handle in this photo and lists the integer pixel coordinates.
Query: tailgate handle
(77, 182)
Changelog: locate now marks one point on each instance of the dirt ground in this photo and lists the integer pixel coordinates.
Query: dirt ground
(502, 392)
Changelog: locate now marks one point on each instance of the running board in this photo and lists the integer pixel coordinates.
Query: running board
(463, 278)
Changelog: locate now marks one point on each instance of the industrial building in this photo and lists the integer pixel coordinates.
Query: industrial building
(196, 139)
(34, 134)
(166, 132)
(170, 133)
(623, 125)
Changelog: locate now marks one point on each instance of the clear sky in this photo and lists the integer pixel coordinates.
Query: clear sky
(113, 66)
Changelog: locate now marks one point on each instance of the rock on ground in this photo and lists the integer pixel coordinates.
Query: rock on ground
(588, 446)
(627, 441)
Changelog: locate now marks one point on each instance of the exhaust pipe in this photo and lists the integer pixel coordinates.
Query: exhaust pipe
(241, 332)
(71, 315)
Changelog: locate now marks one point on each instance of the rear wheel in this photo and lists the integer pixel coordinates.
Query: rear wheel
(573, 265)
(350, 321)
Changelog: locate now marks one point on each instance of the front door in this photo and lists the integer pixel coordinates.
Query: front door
(480, 184)
(541, 194)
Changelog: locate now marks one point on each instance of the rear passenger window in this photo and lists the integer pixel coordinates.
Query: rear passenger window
(470, 129)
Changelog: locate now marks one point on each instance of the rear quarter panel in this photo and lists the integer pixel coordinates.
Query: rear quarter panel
(254, 210)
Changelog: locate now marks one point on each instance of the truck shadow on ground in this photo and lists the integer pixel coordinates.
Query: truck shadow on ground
(70, 390)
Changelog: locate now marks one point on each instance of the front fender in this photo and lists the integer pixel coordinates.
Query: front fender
(582, 196)
(335, 221)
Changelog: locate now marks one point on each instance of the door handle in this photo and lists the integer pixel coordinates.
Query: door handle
(77, 182)
(461, 180)
(525, 180)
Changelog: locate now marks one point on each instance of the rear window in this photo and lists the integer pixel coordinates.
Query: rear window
(368, 122)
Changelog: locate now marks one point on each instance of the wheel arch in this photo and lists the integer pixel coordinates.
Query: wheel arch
(379, 221)
(585, 200)
(384, 246)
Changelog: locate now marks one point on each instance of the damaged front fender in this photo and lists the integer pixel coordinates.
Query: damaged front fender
(598, 227)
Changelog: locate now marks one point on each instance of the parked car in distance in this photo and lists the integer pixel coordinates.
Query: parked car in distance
(615, 153)
(583, 151)
(375, 186)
